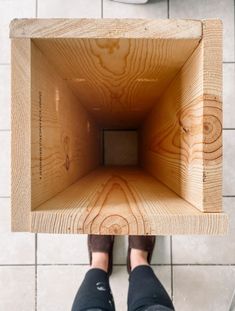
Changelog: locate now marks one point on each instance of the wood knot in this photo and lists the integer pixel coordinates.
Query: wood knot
(183, 127)
(204, 176)
(66, 143)
(67, 163)
(212, 129)
(115, 229)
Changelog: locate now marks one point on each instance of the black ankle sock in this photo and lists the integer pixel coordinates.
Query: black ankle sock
(145, 289)
(94, 292)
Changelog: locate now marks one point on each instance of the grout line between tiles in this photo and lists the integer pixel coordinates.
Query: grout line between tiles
(17, 265)
(36, 272)
(228, 128)
(168, 8)
(5, 64)
(5, 130)
(36, 9)
(102, 8)
(229, 196)
(4, 197)
(228, 62)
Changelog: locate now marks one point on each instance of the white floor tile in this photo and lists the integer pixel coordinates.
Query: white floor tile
(5, 161)
(152, 9)
(10, 9)
(16, 248)
(69, 9)
(228, 162)
(204, 249)
(61, 248)
(5, 104)
(229, 96)
(57, 285)
(17, 288)
(223, 9)
(204, 288)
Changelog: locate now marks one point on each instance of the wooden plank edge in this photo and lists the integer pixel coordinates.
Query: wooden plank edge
(106, 28)
(205, 223)
(20, 135)
(212, 45)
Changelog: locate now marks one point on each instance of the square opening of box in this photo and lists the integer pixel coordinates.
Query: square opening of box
(117, 126)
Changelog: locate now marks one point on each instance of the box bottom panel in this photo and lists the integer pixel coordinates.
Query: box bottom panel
(122, 201)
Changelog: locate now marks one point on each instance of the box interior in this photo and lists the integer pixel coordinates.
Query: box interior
(113, 122)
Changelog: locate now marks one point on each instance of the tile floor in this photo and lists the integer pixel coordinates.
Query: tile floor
(42, 272)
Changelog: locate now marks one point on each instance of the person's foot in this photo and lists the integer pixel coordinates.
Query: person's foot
(100, 249)
(140, 250)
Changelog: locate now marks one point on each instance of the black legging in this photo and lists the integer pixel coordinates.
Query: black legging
(145, 293)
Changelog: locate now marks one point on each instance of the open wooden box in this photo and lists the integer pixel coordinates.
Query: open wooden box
(73, 78)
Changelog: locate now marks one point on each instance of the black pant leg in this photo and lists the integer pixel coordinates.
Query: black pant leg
(146, 290)
(94, 292)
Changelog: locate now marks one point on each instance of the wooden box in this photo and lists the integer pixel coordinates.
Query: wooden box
(74, 78)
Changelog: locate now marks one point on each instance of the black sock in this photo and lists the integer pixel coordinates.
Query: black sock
(94, 292)
(146, 290)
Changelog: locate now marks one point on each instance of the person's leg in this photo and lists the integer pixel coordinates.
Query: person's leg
(146, 293)
(94, 293)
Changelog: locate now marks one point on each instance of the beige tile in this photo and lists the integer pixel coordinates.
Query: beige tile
(5, 163)
(10, 9)
(228, 162)
(16, 248)
(57, 285)
(223, 9)
(17, 288)
(5, 97)
(204, 249)
(204, 288)
(161, 254)
(152, 9)
(5, 215)
(61, 248)
(229, 96)
(72, 8)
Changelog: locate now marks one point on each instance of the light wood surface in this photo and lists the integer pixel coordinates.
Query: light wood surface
(72, 78)
(123, 201)
(21, 135)
(181, 140)
(124, 76)
(106, 28)
(65, 138)
(212, 114)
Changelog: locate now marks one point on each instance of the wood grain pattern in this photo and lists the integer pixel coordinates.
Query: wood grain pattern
(65, 139)
(181, 140)
(123, 201)
(71, 78)
(106, 28)
(20, 135)
(212, 114)
(124, 76)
